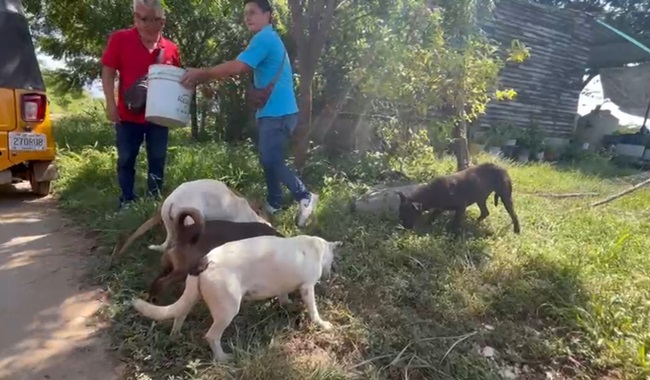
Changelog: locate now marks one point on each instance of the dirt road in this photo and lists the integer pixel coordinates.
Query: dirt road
(47, 324)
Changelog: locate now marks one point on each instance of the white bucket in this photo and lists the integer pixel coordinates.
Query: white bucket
(168, 102)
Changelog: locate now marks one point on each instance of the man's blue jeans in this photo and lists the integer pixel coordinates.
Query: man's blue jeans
(129, 138)
(274, 137)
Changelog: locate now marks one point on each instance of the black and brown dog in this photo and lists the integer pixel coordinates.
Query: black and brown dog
(185, 255)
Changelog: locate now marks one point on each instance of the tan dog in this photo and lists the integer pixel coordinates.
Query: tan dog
(251, 269)
(213, 199)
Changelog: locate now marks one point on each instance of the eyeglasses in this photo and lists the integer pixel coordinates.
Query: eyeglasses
(154, 20)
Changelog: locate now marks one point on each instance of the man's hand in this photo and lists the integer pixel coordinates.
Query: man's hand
(193, 77)
(108, 84)
(111, 112)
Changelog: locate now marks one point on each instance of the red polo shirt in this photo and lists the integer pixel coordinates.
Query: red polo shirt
(126, 53)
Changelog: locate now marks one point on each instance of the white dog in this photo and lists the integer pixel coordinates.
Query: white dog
(251, 269)
(213, 199)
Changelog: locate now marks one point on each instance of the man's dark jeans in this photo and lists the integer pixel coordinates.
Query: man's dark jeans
(129, 138)
(274, 136)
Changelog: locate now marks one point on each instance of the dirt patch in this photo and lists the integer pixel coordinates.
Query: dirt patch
(308, 354)
(48, 328)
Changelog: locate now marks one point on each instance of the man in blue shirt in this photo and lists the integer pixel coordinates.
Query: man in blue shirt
(277, 119)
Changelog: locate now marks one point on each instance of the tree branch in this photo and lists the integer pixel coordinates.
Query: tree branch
(563, 195)
(622, 193)
(315, 9)
(298, 31)
(296, 8)
(353, 20)
(199, 52)
(319, 38)
(314, 17)
(341, 4)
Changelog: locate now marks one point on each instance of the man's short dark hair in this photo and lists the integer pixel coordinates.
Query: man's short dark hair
(264, 5)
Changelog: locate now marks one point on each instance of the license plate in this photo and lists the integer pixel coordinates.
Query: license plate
(27, 141)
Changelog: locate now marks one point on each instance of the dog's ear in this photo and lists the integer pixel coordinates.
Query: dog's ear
(417, 206)
(402, 197)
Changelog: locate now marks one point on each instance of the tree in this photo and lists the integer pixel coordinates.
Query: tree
(311, 22)
(76, 31)
(312, 30)
(437, 68)
(461, 22)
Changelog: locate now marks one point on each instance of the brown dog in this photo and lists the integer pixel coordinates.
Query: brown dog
(456, 192)
(193, 242)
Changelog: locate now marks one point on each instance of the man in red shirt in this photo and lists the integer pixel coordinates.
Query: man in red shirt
(130, 52)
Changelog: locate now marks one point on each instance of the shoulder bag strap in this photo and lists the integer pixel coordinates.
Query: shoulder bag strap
(279, 73)
(161, 55)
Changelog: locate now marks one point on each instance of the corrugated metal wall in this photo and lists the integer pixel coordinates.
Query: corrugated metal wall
(550, 81)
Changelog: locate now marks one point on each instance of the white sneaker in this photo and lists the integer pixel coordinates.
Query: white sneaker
(305, 209)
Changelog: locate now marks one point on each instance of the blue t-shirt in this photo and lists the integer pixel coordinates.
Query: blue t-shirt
(264, 54)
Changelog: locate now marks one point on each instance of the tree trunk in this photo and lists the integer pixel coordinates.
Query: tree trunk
(301, 134)
(194, 120)
(460, 137)
(312, 21)
(204, 115)
(460, 147)
(322, 123)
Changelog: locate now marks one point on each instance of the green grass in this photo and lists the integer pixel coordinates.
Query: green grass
(66, 102)
(83, 104)
(567, 296)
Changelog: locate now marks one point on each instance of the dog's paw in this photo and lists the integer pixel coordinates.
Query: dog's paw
(326, 325)
(222, 358)
(283, 299)
(138, 304)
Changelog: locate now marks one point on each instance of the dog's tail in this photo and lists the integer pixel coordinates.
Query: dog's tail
(186, 234)
(146, 226)
(181, 307)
